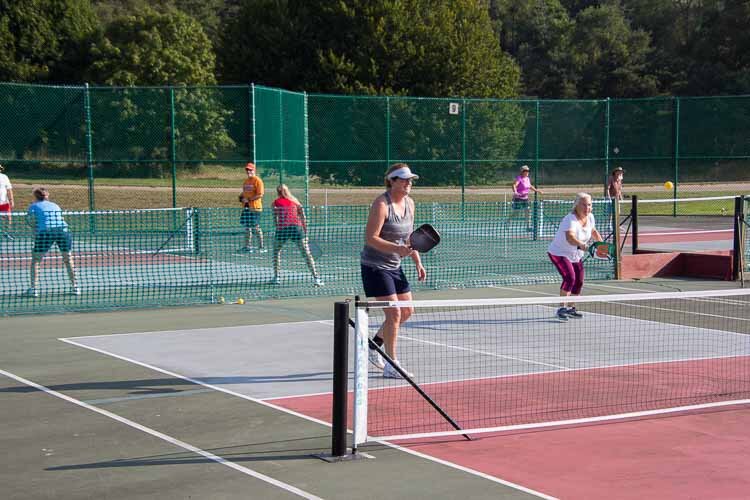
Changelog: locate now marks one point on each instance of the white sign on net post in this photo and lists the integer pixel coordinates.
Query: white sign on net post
(453, 108)
(361, 374)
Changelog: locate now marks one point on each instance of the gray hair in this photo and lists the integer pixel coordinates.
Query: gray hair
(581, 196)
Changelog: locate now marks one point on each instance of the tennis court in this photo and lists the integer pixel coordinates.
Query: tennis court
(233, 401)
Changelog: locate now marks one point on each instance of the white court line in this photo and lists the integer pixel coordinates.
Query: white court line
(562, 423)
(193, 330)
(294, 413)
(165, 437)
(673, 233)
(195, 381)
(715, 300)
(468, 470)
(484, 353)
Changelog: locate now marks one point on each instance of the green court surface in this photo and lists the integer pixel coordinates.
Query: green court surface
(85, 423)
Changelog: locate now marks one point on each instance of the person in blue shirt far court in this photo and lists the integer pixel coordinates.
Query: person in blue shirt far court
(50, 229)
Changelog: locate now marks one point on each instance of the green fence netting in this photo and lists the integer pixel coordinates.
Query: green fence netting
(185, 146)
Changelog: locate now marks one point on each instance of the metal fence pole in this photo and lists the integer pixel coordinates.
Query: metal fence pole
(463, 158)
(675, 149)
(254, 156)
(89, 146)
(173, 147)
(282, 161)
(307, 150)
(606, 144)
(387, 133)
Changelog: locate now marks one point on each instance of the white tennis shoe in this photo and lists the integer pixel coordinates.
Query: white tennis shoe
(376, 359)
(391, 372)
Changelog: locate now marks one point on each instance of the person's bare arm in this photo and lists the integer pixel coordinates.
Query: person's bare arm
(378, 213)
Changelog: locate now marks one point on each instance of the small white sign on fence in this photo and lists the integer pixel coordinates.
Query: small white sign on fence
(453, 108)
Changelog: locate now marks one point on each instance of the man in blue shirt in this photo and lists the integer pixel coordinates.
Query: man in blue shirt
(49, 228)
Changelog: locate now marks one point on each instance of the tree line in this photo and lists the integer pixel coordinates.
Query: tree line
(476, 48)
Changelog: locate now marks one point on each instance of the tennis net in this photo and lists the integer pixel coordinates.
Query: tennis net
(704, 224)
(505, 364)
(111, 231)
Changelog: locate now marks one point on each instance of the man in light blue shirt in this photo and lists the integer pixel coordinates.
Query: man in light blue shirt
(50, 228)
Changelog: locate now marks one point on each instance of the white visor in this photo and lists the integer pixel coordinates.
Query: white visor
(403, 173)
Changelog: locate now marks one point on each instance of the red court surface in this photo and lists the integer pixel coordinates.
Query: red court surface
(702, 454)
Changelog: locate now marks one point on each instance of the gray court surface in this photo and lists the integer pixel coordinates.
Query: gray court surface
(259, 361)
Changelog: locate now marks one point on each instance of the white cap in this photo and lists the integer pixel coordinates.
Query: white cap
(403, 173)
(524, 167)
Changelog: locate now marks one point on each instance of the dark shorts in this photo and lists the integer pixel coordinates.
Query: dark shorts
(382, 282)
(294, 233)
(45, 239)
(249, 218)
(519, 203)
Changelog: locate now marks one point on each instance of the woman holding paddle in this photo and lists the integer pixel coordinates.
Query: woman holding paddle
(389, 225)
(567, 249)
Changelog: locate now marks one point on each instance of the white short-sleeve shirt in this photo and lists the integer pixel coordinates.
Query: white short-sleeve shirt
(4, 187)
(560, 245)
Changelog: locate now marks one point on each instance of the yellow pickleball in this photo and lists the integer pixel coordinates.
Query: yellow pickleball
(240, 301)
(668, 185)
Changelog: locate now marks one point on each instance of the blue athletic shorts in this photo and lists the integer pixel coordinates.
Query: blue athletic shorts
(249, 218)
(59, 236)
(382, 282)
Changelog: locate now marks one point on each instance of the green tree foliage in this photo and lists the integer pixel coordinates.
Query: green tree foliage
(609, 57)
(537, 34)
(411, 47)
(152, 48)
(156, 48)
(40, 40)
(721, 55)
(207, 12)
(675, 28)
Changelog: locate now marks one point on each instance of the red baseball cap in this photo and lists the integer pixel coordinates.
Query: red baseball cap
(250, 166)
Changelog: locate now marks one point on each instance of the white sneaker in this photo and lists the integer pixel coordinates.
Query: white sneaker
(31, 292)
(376, 359)
(318, 282)
(75, 290)
(275, 281)
(390, 372)
(262, 250)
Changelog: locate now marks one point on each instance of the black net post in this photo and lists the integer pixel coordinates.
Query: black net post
(340, 377)
(634, 221)
(738, 239)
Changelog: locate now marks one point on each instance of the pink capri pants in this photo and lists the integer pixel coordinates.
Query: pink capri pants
(571, 272)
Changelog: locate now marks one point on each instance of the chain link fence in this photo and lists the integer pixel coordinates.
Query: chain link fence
(147, 147)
